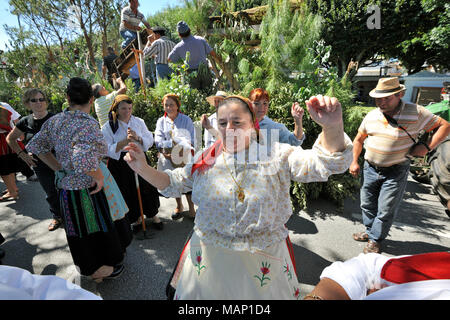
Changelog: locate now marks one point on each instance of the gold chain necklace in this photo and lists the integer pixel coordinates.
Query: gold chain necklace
(240, 190)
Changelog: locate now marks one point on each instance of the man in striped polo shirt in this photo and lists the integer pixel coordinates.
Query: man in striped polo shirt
(130, 19)
(159, 47)
(387, 134)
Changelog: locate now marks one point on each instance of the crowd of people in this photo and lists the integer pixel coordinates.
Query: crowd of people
(237, 187)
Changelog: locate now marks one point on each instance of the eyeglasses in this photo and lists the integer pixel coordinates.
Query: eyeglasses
(36, 100)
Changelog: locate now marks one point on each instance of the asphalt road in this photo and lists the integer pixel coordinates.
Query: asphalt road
(320, 235)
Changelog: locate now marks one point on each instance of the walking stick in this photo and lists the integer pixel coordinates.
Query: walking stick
(144, 231)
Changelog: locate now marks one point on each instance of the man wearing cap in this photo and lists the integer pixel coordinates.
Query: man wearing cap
(199, 49)
(387, 134)
(210, 123)
(130, 18)
(159, 47)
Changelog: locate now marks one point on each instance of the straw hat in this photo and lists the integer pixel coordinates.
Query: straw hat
(387, 87)
(219, 94)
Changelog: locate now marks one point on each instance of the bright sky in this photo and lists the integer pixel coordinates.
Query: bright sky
(146, 7)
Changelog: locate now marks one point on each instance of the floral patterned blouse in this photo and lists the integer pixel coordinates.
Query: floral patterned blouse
(78, 143)
(259, 220)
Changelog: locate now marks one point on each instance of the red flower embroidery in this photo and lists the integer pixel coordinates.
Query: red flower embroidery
(198, 258)
(264, 270)
(297, 293)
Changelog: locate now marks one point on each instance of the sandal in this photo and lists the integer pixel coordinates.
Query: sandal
(177, 214)
(361, 236)
(8, 197)
(55, 224)
(372, 247)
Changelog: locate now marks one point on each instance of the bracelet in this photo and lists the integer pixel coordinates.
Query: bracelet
(313, 297)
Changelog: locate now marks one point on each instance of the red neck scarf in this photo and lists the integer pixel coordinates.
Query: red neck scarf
(419, 267)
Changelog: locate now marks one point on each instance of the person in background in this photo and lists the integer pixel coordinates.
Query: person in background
(10, 163)
(36, 101)
(130, 18)
(210, 123)
(134, 75)
(260, 99)
(159, 46)
(199, 50)
(389, 133)
(96, 242)
(123, 127)
(108, 68)
(174, 139)
(104, 100)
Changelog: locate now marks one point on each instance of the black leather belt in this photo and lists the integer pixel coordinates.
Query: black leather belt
(387, 169)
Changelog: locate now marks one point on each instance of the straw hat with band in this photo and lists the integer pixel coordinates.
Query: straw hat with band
(387, 87)
(112, 115)
(219, 94)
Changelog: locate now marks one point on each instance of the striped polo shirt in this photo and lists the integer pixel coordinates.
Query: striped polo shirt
(385, 143)
(161, 48)
(129, 16)
(102, 106)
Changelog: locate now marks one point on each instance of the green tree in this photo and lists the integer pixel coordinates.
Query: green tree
(346, 30)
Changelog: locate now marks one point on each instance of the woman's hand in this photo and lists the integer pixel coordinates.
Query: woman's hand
(27, 158)
(325, 111)
(97, 177)
(135, 157)
(297, 112)
(205, 122)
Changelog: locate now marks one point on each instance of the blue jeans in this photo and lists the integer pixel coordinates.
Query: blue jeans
(163, 71)
(381, 194)
(129, 36)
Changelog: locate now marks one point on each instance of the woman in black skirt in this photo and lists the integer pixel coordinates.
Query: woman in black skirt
(122, 128)
(96, 242)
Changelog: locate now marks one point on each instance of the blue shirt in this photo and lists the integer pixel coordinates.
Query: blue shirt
(180, 131)
(268, 126)
(198, 48)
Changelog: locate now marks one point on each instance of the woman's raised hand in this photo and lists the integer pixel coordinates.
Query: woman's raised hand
(325, 111)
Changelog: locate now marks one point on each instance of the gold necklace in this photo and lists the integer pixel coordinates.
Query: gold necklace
(240, 191)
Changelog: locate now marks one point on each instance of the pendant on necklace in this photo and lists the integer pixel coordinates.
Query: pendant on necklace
(241, 195)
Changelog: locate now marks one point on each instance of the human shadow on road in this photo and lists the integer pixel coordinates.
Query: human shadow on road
(19, 253)
(301, 225)
(309, 265)
(395, 247)
(148, 264)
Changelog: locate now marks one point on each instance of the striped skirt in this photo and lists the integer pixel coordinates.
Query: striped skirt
(93, 238)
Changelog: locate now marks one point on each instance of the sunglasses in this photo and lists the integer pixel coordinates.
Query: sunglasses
(36, 100)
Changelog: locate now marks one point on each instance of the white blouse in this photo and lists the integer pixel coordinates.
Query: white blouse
(259, 221)
(362, 273)
(136, 124)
